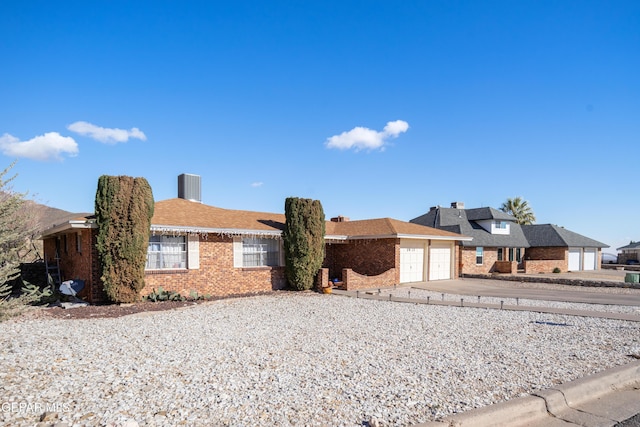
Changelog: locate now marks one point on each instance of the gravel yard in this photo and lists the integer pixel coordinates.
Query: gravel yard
(293, 359)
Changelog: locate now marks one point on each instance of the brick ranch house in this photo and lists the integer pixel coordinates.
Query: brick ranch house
(501, 245)
(199, 248)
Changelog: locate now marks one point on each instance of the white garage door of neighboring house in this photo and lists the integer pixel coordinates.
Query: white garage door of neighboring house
(589, 259)
(440, 261)
(574, 259)
(411, 262)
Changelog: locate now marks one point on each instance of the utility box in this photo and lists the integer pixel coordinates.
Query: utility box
(189, 187)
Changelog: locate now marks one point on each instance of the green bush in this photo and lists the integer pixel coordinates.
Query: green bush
(162, 295)
(303, 238)
(124, 207)
(11, 306)
(557, 270)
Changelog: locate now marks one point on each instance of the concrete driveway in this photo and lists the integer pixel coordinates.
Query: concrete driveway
(506, 289)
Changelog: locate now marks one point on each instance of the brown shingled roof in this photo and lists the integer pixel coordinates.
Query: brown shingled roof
(384, 227)
(184, 213)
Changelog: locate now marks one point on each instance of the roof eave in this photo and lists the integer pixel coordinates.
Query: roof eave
(70, 225)
(209, 230)
(430, 237)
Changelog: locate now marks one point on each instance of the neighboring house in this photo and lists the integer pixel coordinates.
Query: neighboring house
(213, 251)
(629, 252)
(501, 245)
(551, 246)
(497, 240)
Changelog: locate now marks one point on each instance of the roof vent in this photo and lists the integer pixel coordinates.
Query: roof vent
(457, 205)
(340, 218)
(189, 187)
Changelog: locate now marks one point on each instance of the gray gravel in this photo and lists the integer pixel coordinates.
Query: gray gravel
(293, 359)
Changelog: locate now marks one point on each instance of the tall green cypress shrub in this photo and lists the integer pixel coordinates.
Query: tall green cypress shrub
(303, 238)
(124, 207)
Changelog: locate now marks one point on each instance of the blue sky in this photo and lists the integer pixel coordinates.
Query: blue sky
(376, 108)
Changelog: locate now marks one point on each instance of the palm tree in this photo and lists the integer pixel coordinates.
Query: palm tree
(519, 209)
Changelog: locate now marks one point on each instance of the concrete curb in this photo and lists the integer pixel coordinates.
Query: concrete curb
(371, 295)
(561, 403)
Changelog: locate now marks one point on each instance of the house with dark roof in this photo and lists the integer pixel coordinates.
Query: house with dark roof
(500, 244)
(629, 252)
(551, 246)
(213, 251)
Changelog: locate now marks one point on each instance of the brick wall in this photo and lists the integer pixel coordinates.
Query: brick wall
(544, 260)
(544, 266)
(353, 280)
(77, 262)
(216, 276)
(506, 267)
(322, 279)
(467, 256)
(366, 257)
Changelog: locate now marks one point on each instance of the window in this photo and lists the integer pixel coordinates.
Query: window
(78, 242)
(510, 254)
(260, 252)
(479, 255)
(166, 252)
(500, 254)
(501, 224)
(518, 255)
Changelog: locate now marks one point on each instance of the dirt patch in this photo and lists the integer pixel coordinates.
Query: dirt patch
(118, 310)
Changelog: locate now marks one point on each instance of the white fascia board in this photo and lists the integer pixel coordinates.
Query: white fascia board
(410, 236)
(415, 236)
(335, 237)
(206, 230)
(70, 225)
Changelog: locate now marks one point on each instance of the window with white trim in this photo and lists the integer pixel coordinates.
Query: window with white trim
(479, 255)
(260, 252)
(166, 252)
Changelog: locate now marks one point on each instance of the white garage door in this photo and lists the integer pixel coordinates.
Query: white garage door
(574, 259)
(589, 259)
(411, 262)
(439, 262)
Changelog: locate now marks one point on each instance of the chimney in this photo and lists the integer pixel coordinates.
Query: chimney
(189, 187)
(340, 218)
(457, 205)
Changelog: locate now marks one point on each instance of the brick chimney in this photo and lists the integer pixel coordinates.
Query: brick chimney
(339, 218)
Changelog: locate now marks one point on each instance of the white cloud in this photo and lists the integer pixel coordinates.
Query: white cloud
(256, 184)
(49, 146)
(361, 138)
(106, 135)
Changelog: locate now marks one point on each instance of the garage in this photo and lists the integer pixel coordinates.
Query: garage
(589, 259)
(575, 255)
(439, 261)
(411, 261)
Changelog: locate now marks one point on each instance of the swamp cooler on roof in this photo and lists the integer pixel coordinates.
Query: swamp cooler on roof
(189, 187)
